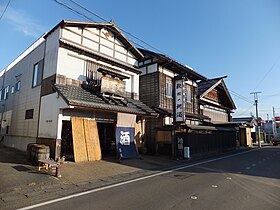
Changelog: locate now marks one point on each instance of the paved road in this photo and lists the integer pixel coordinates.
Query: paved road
(250, 180)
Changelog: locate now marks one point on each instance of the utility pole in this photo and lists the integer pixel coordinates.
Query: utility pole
(257, 116)
(274, 123)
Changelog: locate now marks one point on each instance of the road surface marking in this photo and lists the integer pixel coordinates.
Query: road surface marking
(133, 180)
(248, 168)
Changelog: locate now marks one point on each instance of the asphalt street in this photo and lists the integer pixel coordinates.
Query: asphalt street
(248, 180)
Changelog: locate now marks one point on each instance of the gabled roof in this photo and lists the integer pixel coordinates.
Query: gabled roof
(108, 25)
(204, 87)
(250, 120)
(83, 99)
(173, 65)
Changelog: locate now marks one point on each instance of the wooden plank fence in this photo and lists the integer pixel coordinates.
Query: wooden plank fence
(203, 143)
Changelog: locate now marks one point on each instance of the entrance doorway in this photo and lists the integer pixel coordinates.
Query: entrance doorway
(67, 141)
(107, 138)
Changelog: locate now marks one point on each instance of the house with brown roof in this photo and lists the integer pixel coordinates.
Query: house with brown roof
(204, 101)
(73, 90)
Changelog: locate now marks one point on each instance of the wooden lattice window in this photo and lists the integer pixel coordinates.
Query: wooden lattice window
(92, 75)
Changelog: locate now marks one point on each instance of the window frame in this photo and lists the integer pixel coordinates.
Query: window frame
(17, 86)
(168, 86)
(29, 114)
(37, 73)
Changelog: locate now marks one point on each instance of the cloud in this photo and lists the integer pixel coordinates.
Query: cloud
(22, 22)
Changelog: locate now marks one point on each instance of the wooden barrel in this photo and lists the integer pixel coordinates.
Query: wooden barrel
(40, 152)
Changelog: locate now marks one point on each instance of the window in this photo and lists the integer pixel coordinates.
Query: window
(168, 85)
(12, 89)
(1, 95)
(6, 92)
(93, 77)
(188, 94)
(37, 73)
(17, 86)
(29, 114)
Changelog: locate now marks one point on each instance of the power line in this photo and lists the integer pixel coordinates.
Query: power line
(271, 68)
(62, 3)
(241, 97)
(269, 96)
(125, 31)
(5, 9)
(130, 34)
(241, 114)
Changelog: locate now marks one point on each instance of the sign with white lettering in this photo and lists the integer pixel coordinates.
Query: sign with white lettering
(125, 142)
(179, 101)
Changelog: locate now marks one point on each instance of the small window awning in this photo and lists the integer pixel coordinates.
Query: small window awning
(112, 73)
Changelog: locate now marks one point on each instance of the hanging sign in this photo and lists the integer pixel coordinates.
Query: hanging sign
(179, 101)
(125, 142)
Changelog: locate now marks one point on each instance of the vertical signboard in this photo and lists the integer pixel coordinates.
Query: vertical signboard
(125, 136)
(179, 100)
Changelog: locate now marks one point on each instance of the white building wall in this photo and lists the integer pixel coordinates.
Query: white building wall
(21, 131)
(72, 65)
(51, 54)
(48, 124)
(215, 114)
(98, 40)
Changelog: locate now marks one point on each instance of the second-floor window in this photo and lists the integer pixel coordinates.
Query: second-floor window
(189, 98)
(188, 94)
(168, 86)
(37, 73)
(17, 86)
(6, 92)
(93, 77)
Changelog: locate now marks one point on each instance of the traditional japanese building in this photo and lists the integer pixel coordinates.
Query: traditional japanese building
(71, 90)
(203, 101)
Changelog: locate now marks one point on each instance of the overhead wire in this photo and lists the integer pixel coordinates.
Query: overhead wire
(128, 33)
(242, 113)
(125, 31)
(241, 97)
(5, 9)
(267, 73)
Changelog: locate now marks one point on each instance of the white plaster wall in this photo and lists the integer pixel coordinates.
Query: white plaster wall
(49, 115)
(51, 55)
(70, 66)
(167, 71)
(152, 68)
(73, 66)
(101, 41)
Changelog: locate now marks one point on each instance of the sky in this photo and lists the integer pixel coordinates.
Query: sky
(239, 39)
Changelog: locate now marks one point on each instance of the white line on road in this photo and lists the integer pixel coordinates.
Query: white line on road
(131, 181)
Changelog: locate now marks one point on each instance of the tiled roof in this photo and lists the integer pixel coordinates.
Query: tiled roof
(205, 85)
(173, 65)
(77, 96)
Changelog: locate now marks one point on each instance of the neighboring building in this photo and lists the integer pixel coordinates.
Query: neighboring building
(267, 127)
(78, 69)
(205, 100)
(277, 126)
(215, 100)
(247, 129)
